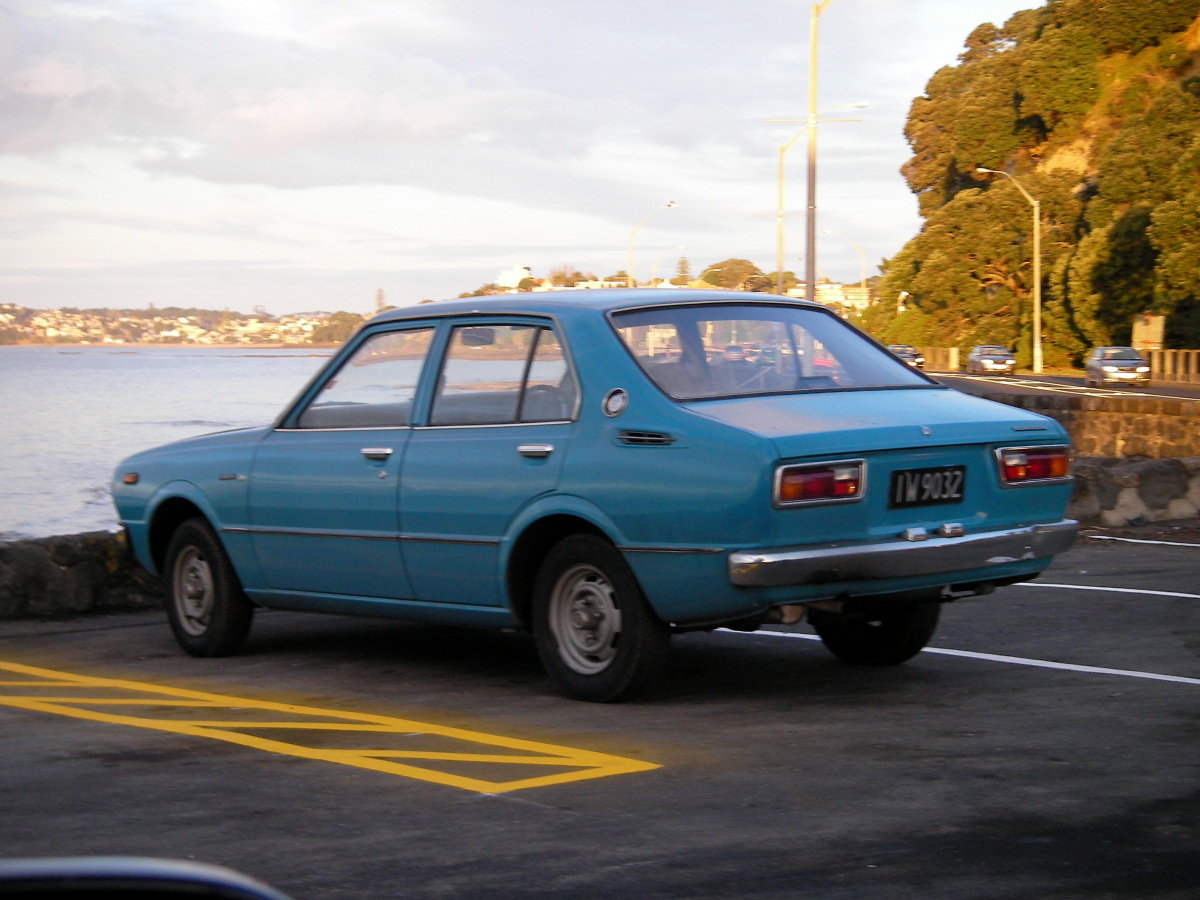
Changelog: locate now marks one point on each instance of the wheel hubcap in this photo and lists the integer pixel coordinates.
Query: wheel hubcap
(585, 620)
(193, 593)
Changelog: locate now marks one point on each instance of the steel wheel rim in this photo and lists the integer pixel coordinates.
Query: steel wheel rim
(585, 620)
(193, 594)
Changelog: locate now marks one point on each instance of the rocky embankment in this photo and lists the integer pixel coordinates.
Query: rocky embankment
(72, 574)
(95, 573)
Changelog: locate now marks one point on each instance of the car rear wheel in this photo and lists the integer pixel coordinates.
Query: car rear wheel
(597, 637)
(208, 612)
(877, 634)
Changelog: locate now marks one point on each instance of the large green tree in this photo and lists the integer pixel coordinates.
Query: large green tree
(1092, 108)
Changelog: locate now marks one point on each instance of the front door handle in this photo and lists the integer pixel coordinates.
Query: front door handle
(376, 452)
(535, 451)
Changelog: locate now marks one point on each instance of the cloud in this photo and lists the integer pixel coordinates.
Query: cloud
(430, 136)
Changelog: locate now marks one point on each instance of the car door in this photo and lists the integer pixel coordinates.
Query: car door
(324, 485)
(495, 438)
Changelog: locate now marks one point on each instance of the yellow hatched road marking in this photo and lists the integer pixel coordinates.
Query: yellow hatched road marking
(96, 699)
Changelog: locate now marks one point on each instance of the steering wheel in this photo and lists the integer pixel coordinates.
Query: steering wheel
(543, 401)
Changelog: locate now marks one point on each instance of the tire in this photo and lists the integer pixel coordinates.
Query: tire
(208, 612)
(877, 634)
(596, 636)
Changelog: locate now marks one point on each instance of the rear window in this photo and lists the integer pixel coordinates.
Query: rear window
(735, 350)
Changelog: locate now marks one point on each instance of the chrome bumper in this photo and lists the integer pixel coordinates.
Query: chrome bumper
(826, 563)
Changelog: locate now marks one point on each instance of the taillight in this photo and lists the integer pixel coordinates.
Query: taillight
(830, 482)
(1023, 465)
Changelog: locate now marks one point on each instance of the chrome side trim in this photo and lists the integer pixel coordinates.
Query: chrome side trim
(827, 563)
(700, 551)
(353, 536)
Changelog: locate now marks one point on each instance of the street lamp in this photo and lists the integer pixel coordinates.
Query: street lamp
(629, 280)
(862, 259)
(654, 265)
(1037, 266)
(779, 207)
(810, 228)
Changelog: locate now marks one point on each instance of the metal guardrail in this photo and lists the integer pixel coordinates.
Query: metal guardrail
(1175, 365)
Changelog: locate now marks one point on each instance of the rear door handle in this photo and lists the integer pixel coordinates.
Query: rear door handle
(535, 451)
(376, 452)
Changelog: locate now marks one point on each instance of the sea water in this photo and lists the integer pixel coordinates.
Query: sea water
(68, 415)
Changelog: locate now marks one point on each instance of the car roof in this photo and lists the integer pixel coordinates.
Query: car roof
(568, 302)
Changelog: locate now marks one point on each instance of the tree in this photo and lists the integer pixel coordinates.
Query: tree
(337, 328)
(1092, 108)
(683, 271)
(734, 273)
(1057, 81)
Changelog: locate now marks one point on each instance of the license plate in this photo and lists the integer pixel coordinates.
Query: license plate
(927, 487)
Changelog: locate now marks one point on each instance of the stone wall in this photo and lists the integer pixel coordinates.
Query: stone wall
(1116, 427)
(72, 574)
(1119, 492)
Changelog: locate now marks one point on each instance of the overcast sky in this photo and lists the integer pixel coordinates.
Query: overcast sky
(303, 154)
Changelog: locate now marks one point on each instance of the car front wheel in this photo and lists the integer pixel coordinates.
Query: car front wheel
(877, 634)
(596, 635)
(208, 612)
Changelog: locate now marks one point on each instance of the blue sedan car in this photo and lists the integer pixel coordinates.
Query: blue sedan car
(592, 467)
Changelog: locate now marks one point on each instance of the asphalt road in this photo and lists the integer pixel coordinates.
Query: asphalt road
(1045, 746)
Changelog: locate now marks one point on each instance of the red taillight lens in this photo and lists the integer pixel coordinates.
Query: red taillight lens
(1019, 465)
(823, 482)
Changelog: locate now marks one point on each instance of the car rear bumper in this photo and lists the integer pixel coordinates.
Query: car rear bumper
(889, 560)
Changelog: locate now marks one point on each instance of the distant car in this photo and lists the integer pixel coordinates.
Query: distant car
(1115, 365)
(909, 354)
(734, 353)
(988, 359)
(533, 462)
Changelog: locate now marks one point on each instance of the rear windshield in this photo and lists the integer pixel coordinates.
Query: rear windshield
(735, 350)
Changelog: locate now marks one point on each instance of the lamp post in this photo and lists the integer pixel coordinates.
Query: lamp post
(779, 206)
(1037, 266)
(779, 214)
(810, 229)
(654, 265)
(629, 279)
(862, 259)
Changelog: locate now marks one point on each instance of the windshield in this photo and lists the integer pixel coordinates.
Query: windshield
(1121, 353)
(733, 350)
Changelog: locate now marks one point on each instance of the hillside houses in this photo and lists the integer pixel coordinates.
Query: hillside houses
(19, 325)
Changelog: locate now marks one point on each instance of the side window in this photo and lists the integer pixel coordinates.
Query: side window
(374, 388)
(549, 389)
(500, 375)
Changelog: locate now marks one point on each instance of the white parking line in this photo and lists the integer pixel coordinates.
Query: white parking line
(1109, 537)
(1112, 590)
(1010, 660)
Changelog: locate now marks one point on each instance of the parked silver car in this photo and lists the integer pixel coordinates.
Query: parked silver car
(986, 359)
(1116, 365)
